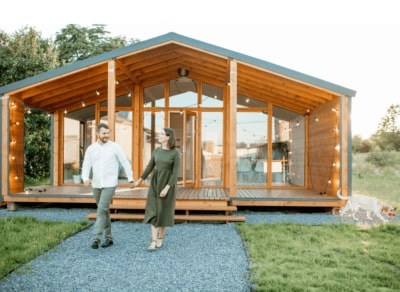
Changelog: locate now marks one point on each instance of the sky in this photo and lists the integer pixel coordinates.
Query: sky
(351, 43)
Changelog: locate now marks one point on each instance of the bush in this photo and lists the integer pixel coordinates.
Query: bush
(382, 158)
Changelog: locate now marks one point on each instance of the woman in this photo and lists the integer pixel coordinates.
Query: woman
(161, 196)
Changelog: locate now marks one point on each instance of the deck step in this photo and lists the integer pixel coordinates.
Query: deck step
(198, 217)
(179, 207)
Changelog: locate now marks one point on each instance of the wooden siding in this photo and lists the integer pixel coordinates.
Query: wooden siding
(16, 147)
(323, 139)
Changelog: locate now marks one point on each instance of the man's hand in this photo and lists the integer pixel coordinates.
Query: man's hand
(87, 182)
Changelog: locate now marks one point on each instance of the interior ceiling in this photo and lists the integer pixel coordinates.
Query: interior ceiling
(161, 63)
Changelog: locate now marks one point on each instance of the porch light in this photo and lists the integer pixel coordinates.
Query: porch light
(83, 103)
(182, 72)
(97, 92)
(65, 111)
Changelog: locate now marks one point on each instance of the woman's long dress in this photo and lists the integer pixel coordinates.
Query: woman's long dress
(165, 165)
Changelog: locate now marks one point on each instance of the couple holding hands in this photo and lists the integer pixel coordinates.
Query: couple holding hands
(104, 158)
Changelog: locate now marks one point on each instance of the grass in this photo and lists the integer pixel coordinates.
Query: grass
(24, 238)
(380, 182)
(335, 257)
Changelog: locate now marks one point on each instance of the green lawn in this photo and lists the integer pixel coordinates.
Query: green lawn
(24, 238)
(335, 257)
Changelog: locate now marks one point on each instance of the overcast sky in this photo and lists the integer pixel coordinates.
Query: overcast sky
(353, 43)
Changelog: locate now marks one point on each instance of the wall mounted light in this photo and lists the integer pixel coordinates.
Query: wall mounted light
(182, 72)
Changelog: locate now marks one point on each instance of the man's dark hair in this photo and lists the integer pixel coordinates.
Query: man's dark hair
(101, 125)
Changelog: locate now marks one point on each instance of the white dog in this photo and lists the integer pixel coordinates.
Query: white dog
(370, 204)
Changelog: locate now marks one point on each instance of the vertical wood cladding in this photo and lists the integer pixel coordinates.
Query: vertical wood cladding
(16, 139)
(323, 163)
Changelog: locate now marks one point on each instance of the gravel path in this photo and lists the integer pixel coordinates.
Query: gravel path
(195, 256)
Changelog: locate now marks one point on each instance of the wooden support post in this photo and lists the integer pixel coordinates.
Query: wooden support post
(111, 98)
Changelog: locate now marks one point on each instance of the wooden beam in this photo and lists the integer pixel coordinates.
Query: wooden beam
(345, 149)
(111, 98)
(232, 120)
(126, 71)
(137, 150)
(5, 130)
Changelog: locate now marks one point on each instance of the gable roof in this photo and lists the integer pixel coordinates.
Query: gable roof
(158, 59)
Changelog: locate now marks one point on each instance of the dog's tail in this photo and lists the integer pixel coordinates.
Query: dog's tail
(338, 194)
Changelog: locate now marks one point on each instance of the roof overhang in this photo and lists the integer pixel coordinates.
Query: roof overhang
(158, 59)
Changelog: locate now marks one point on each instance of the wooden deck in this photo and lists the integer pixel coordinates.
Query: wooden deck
(192, 204)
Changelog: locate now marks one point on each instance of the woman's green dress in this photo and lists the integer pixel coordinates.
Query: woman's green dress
(165, 165)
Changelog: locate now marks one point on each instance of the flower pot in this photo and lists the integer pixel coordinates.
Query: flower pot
(77, 178)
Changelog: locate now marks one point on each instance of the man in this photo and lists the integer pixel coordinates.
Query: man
(104, 159)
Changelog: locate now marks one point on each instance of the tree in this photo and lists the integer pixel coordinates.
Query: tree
(387, 137)
(360, 146)
(24, 54)
(37, 145)
(77, 43)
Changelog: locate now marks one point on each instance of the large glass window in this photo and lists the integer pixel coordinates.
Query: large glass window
(244, 101)
(212, 96)
(153, 123)
(154, 96)
(77, 136)
(72, 155)
(288, 147)
(183, 92)
(251, 148)
(211, 148)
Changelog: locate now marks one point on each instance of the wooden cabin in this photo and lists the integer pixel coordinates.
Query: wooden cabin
(251, 133)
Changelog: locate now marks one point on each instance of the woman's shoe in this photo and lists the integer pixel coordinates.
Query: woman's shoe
(153, 245)
(159, 242)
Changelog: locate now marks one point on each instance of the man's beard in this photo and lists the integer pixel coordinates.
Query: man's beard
(104, 140)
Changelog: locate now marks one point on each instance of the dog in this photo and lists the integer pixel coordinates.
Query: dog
(369, 204)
